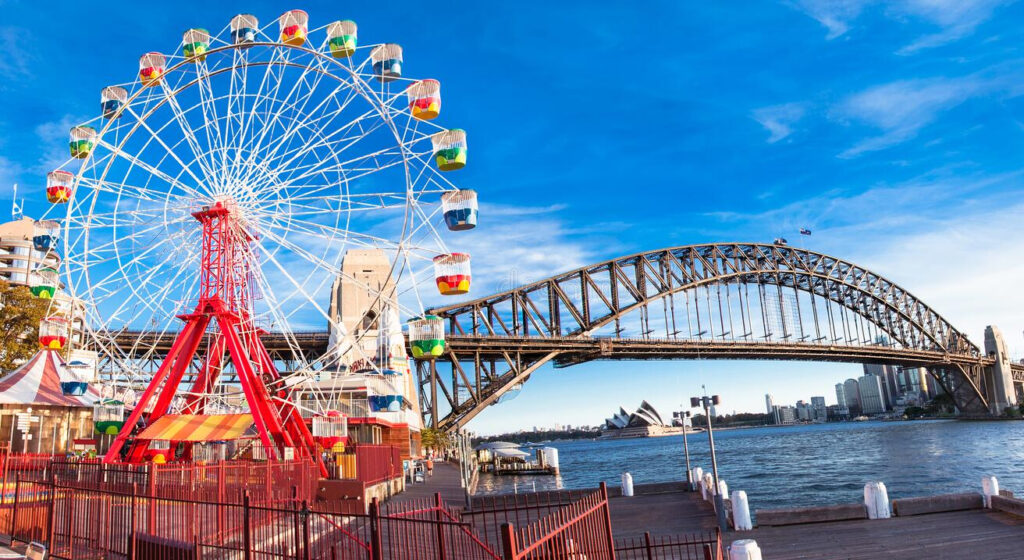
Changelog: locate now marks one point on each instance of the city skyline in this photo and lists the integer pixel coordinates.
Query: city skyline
(889, 132)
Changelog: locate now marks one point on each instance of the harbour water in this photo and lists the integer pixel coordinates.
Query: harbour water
(816, 464)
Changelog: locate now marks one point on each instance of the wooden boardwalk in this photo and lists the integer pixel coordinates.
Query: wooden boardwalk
(971, 535)
(668, 512)
(445, 480)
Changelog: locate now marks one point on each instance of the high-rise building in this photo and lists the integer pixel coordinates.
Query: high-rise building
(872, 399)
(840, 395)
(787, 415)
(820, 412)
(852, 395)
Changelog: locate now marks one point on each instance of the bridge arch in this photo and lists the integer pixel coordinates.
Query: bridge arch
(565, 319)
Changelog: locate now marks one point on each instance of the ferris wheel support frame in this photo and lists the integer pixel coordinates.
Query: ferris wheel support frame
(224, 298)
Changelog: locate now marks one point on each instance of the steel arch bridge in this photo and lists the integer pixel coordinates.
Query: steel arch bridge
(709, 301)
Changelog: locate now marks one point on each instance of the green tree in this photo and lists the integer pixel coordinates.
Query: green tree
(438, 440)
(20, 313)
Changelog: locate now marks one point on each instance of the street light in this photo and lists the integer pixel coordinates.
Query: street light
(706, 402)
(684, 418)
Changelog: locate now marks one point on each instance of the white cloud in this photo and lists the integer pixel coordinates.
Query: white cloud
(779, 119)
(954, 18)
(53, 136)
(16, 63)
(900, 109)
(835, 15)
(967, 268)
(954, 243)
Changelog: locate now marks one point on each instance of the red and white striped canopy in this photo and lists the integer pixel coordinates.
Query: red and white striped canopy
(37, 382)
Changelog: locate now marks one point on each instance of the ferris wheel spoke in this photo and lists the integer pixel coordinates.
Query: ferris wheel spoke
(186, 129)
(296, 153)
(280, 64)
(318, 167)
(150, 169)
(310, 89)
(160, 141)
(317, 123)
(209, 111)
(326, 266)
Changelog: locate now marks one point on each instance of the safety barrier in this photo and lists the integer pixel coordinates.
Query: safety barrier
(706, 546)
(268, 482)
(78, 521)
(583, 529)
(88, 523)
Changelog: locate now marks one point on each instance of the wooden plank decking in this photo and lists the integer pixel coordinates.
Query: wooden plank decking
(970, 535)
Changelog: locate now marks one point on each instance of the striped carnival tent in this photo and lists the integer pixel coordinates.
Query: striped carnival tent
(37, 383)
(50, 421)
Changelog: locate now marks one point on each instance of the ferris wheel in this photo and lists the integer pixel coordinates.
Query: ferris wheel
(242, 165)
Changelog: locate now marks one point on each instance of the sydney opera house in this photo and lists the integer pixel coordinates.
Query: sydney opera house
(644, 422)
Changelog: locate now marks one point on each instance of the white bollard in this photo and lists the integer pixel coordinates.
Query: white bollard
(744, 549)
(723, 488)
(876, 499)
(698, 477)
(551, 458)
(989, 488)
(709, 487)
(627, 484)
(741, 511)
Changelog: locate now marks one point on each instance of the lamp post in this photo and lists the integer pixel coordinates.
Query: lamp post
(706, 402)
(684, 417)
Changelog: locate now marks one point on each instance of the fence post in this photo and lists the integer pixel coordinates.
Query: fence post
(296, 524)
(439, 505)
(246, 527)
(14, 512)
(305, 531)
(376, 543)
(132, 503)
(608, 521)
(52, 529)
(152, 470)
(509, 547)
(647, 545)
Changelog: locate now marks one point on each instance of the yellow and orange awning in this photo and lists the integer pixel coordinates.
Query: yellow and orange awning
(198, 427)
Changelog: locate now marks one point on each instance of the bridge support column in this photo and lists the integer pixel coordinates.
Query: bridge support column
(999, 377)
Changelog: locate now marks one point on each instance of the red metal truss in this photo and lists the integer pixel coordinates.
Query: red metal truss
(224, 300)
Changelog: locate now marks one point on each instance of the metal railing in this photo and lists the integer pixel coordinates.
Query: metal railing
(583, 529)
(706, 546)
(91, 523)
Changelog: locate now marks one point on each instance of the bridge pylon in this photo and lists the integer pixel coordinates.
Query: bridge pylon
(999, 376)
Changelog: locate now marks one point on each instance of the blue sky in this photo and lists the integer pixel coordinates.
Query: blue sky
(891, 129)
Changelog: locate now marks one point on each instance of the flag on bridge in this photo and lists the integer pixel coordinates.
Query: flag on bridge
(805, 231)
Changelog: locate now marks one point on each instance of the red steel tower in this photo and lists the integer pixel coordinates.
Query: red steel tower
(225, 299)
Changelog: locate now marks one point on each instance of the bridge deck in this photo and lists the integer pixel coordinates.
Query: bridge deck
(977, 534)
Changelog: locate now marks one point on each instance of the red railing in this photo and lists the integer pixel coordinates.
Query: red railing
(582, 529)
(267, 482)
(377, 463)
(707, 546)
(90, 523)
